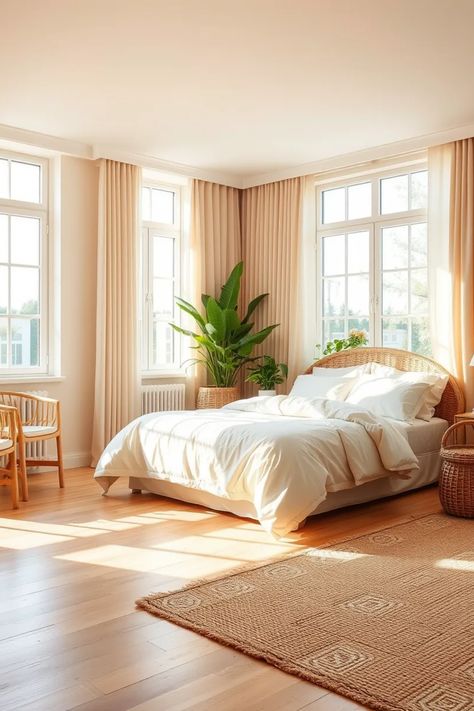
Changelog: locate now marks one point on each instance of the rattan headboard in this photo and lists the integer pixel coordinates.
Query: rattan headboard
(452, 401)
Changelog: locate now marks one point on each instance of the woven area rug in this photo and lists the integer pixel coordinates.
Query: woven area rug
(386, 619)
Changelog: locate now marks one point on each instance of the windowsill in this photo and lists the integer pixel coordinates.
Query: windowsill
(164, 374)
(19, 379)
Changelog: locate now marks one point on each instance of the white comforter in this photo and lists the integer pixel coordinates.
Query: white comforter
(283, 454)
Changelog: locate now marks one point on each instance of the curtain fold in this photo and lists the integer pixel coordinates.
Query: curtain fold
(440, 160)
(271, 239)
(215, 244)
(461, 260)
(117, 376)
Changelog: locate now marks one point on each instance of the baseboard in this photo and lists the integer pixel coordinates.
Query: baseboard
(76, 459)
(70, 461)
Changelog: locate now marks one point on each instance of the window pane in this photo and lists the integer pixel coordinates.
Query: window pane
(358, 252)
(25, 181)
(163, 257)
(358, 295)
(419, 291)
(25, 240)
(419, 245)
(332, 329)
(359, 198)
(419, 190)
(334, 205)
(146, 204)
(3, 342)
(3, 238)
(334, 296)
(4, 187)
(394, 194)
(24, 290)
(334, 255)
(25, 342)
(395, 333)
(395, 293)
(162, 206)
(395, 247)
(3, 290)
(163, 345)
(420, 336)
(163, 298)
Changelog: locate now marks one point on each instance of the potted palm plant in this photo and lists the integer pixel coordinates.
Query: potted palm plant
(267, 374)
(225, 341)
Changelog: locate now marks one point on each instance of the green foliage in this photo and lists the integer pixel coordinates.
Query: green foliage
(354, 340)
(224, 343)
(268, 373)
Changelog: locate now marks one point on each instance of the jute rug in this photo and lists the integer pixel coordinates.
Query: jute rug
(386, 619)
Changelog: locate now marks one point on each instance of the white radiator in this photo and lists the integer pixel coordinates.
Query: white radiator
(156, 398)
(34, 450)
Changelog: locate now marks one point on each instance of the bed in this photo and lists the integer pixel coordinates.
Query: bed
(298, 479)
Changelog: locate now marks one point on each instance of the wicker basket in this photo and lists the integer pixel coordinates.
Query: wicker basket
(456, 484)
(213, 397)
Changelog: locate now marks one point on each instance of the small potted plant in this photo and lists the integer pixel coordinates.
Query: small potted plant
(267, 374)
(355, 339)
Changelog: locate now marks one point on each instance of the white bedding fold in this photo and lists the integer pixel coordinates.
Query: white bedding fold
(284, 453)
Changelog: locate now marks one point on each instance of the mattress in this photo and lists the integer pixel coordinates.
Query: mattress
(423, 437)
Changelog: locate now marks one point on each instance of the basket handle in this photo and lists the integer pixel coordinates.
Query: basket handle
(450, 430)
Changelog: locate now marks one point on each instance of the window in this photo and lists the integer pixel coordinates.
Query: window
(161, 259)
(373, 257)
(23, 265)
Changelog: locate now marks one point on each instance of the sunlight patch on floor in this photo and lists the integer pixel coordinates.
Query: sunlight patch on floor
(107, 525)
(178, 515)
(179, 563)
(22, 540)
(65, 529)
(463, 563)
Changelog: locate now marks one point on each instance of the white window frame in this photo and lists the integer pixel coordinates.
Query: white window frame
(174, 231)
(374, 224)
(41, 211)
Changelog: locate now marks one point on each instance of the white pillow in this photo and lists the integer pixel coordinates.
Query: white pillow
(342, 372)
(333, 388)
(437, 383)
(389, 396)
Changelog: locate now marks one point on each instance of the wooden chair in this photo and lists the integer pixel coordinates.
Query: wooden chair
(8, 444)
(38, 420)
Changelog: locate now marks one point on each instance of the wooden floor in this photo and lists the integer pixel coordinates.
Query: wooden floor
(72, 563)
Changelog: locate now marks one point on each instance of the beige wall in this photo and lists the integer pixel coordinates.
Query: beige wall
(76, 228)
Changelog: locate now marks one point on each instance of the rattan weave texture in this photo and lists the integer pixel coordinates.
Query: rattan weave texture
(456, 483)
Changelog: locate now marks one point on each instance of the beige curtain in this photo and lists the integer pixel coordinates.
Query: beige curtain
(461, 253)
(440, 281)
(215, 242)
(117, 376)
(271, 236)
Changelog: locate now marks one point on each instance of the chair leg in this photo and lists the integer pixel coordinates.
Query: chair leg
(13, 480)
(59, 447)
(22, 472)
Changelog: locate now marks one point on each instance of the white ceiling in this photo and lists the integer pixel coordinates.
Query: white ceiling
(242, 87)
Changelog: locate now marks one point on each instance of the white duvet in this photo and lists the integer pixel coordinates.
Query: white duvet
(283, 454)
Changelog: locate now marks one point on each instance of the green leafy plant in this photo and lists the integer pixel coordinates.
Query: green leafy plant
(354, 340)
(268, 373)
(224, 343)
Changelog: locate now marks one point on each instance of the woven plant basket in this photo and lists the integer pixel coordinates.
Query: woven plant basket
(213, 397)
(456, 484)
